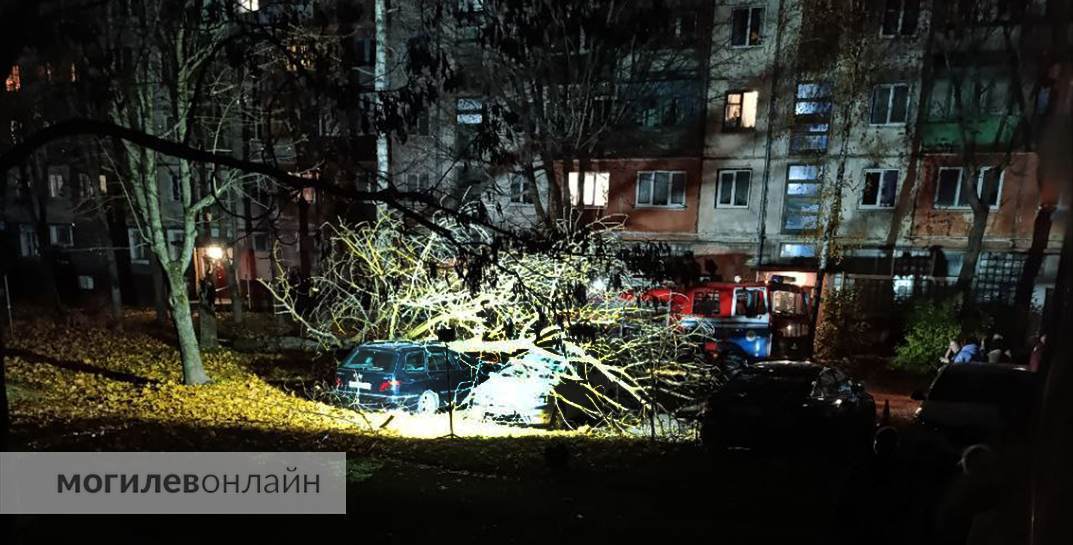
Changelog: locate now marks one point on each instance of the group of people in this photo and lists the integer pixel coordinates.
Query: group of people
(995, 349)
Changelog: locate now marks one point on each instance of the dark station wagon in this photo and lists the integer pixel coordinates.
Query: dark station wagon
(417, 376)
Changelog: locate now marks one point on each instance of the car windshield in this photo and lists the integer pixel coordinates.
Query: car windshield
(765, 385)
(964, 386)
(364, 358)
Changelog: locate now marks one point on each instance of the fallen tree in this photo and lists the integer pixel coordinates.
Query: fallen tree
(500, 296)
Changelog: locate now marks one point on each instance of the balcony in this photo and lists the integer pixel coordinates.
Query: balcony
(987, 132)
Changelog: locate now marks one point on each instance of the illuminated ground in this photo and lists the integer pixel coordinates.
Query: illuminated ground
(90, 389)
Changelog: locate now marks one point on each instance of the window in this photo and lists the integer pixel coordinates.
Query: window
(802, 205)
(139, 252)
(309, 195)
(85, 184)
(175, 243)
(28, 246)
(787, 303)
(422, 125)
(890, 104)
(519, 190)
(982, 94)
(85, 282)
(900, 18)
(102, 184)
(661, 188)
(470, 6)
(948, 187)
(470, 111)
(437, 361)
(733, 189)
(61, 235)
(746, 27)
(55, 185)
(879, 189)
(14, 80)
(418, 181)
(414, 362)
(365, 51)
(249, 5)
(706, 303)
(797, 250)
(812, 116)
(749, 302)
(593, 191)
(176, 189)
(740, 110)
(260, 242)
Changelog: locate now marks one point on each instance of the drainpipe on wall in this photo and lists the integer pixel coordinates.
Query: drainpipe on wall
(762, 228)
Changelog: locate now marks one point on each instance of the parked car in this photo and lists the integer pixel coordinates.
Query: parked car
(521, 391)
(417, 376)
(973, 403)
(788, 403)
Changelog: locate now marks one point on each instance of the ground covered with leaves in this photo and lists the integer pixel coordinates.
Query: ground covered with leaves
(86, 388)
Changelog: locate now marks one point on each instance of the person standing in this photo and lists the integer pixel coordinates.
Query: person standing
(970, 351)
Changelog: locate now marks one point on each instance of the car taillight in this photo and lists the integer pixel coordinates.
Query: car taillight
(389, 385)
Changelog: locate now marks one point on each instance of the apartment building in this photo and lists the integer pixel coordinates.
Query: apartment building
(787, 128)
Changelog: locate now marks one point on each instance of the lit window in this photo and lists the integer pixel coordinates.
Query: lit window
(55, 185)
(812, 115)
(890, 104)
(309, 194)
(470, 111)
(102, 182)
(900, 18)
(948, 192)
(797, 250)
(879, 189)
(746, 27)
(249, 5)
(519, 190)
(802, 203)
(661, 188)
(61, 235)
(14, 80)
(740, 110)
(593, 192)
(733, 189)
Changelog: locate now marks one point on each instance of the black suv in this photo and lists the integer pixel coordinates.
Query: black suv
(418, 376)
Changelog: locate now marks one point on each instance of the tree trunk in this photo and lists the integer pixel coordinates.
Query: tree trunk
(193, 369)
(304, 254)
(159, 293)
(973, 248)
(114, 288)
(233, 285)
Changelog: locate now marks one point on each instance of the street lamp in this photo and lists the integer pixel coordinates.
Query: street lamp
(214, 252)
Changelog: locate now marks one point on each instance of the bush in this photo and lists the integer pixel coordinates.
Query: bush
(841, 330)
(928, 331)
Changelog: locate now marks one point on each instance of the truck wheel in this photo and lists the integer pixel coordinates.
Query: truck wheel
(428, 402)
